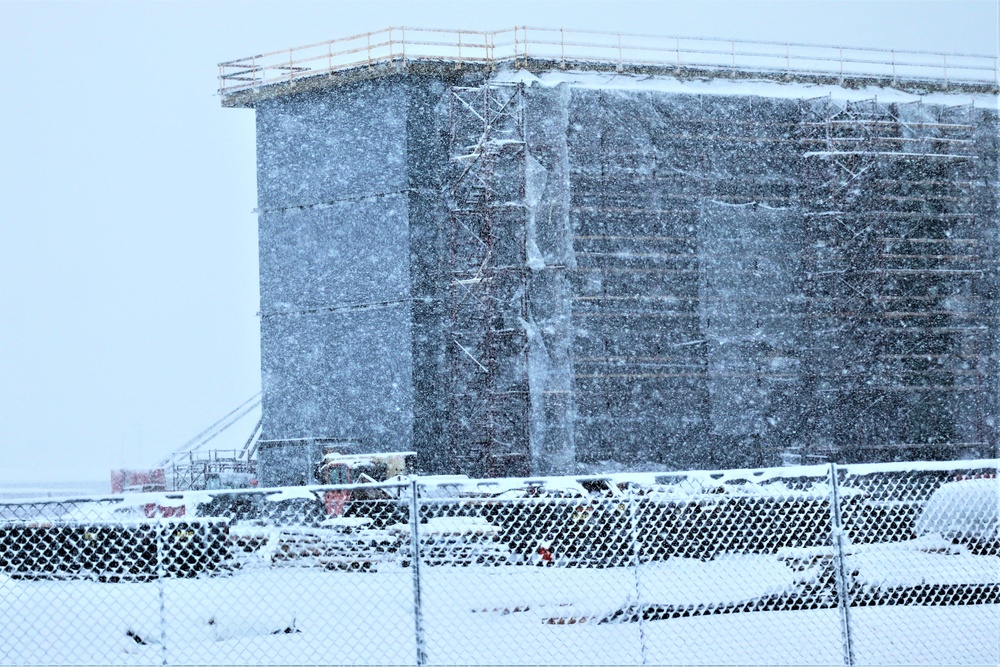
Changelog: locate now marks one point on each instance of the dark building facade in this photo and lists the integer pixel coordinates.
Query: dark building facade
(514, 276)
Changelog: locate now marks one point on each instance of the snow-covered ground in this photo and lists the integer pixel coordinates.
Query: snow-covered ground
(474, 615)
(928, 600)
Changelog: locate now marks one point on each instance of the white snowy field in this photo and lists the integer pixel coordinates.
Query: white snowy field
(471, 615)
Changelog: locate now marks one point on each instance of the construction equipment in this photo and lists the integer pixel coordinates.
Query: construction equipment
(193, 467)
(337, 468)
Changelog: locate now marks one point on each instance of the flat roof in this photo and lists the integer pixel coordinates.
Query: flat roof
(455, 53)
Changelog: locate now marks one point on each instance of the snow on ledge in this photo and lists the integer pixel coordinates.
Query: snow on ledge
(749, 87)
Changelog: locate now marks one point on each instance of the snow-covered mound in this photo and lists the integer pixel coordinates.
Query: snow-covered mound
(964, 509)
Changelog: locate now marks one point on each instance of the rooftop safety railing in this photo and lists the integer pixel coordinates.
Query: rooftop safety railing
(580, 48)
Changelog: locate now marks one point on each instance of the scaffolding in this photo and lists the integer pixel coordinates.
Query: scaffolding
(194, 467)
(899, 337)
(487, 281)
(213, 469)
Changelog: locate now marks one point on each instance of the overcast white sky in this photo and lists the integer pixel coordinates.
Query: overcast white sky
(128, 245)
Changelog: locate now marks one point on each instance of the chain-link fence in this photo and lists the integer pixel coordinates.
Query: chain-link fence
(883, 564)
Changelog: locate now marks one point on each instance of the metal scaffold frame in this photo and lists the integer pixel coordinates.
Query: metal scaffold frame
(194, 466)
(895, 272)
(203, 471)
(487, 292)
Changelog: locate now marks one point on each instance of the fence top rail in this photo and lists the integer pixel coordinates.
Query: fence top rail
(522, 43)
(451, 486)
(150, 522)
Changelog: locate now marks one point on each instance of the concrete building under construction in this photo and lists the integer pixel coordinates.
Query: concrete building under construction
(524, 253)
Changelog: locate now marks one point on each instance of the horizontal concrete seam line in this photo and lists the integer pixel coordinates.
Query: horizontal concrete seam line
(345, 307)
(341, 200)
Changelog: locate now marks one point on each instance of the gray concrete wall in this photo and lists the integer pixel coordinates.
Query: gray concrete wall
(428, 258)
(680, 211)
(986, 227)
(336, 326)
(716, 326)
(688, 301)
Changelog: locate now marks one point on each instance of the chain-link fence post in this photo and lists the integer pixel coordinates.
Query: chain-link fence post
(160, 575)
(636, 563)
(839, 569)
(418, 613)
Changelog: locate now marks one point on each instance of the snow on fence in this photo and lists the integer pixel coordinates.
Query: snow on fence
(576, 48)
(884, 564)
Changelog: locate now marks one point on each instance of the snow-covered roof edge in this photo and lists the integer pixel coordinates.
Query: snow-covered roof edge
(740, 87)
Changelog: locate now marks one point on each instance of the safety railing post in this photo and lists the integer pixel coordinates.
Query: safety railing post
(160, 576)
(515, 47)
(418, 612)
(840, 573)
